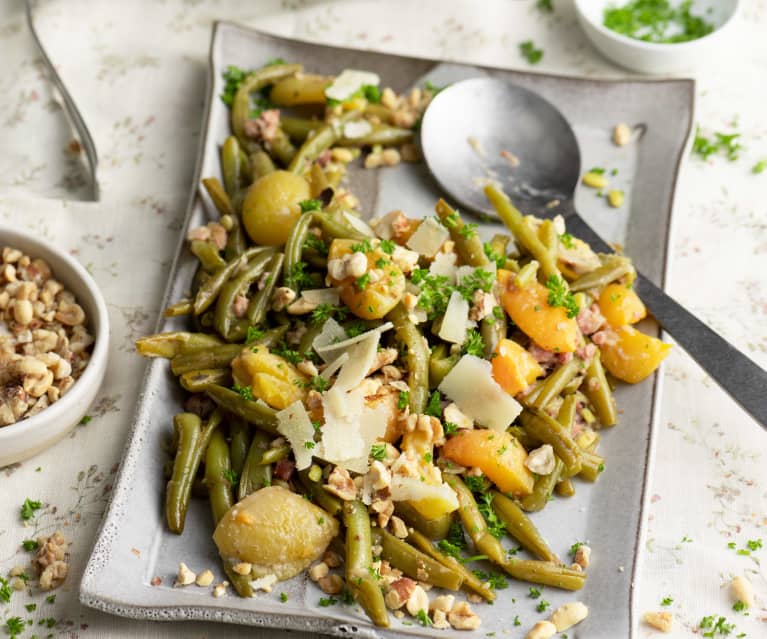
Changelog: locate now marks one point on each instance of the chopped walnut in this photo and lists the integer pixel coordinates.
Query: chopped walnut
(662, 621)
(417, 601)
(582, 556)
(50, 561)
(341, 485)
(331, 584)
(462, 617)
(399, 593)
(185, 576)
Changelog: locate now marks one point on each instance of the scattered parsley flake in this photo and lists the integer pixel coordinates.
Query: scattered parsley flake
(371, 93)
(434, 406)
(316, 243)
(657, 21)
(404, 400)
(545, 6)
(494, 525)
(246, 392)
(598, 170)
(725, 142)
(5, 590)
(534, 592)
(309, 444)
(298, 278)
(451, 428)
(493, 256)
(363, 281)
(387, 246)
(233, 77)
(469, 231)
(29, 545)
(740, 606)
(542, 605)
(475, 483)
(567, 240)
(494, 580)
(253, 335)
(378, 452)
(14, 626)
(754, 544)
(274, 62)
(283, 597)
(231, 476)
(423, 618)
(686, 540)
(363, 247)
(574, 548)
(529, 52)
(560, 295)
(517, 622)
(759, 167)
(327, 601)
(666, 601)
(310, 205)
(474, 344)
(29, 508)
(716, 626)
(433, 88)
(86, 419)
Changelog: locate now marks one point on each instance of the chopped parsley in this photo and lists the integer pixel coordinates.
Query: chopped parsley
(494, 525)
(371, 93)
(534, 592)
(231, 476)
(325, 602)
(14, 626)
(494, 580)
(574, 548)
(475, 483)
(5, 590)
(310, 205)
(356, 328)
(31, 607)
(517, 622)
(253, 335)
(363, 247)
(599, 170)
(274, 62)
(435, 291)
(317, 382)
(291, 356)
(323, 312)
(529, 52)
(29, 545)
(363, 281)
(560, 295)
(716, 626)
(29, 508)
(404, 400)
(542, 605)
(50, 599)
(378, 452)
(727, 143)
(434, 406)
(309, 444)
(478, 280)
(657, 21)
(740, 606)
(233, 77)
(451, 428)
(86, 419)
(387, 246)
(546, 6)
(754, 544)
(500, 260)
(283, 597)
(469, 231)
(423, 618)
(666, 601)
(316, 243)
(298, 278)
(474, 344)
(759, 167)
(433, 88)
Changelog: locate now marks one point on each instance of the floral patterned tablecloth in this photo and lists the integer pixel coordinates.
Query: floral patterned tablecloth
(137, 70)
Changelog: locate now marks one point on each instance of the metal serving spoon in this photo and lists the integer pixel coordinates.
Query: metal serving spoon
(496, 115)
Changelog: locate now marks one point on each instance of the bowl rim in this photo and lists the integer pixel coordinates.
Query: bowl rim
(94, 370)
(655, 46)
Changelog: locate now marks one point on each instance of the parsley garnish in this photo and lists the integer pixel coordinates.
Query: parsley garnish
(534, 592)
(298, 278)
(31, 607)
(469, 231)
(545, 6)
(246, 392)
(231, 476)
(310, 205)
(29, 507)
(435, 291)
(574, 548)
(86, 419)
(50, 599)
(754, 544)
(529, 52)
(478, 280)
(253, 335)
(5, 590)
(324, 311)
(567, 240)
(327, 601)
(387, 246)
(475, 483)
(29, 545)
(363, 281)
(666, 601)
(423, 618)
(378, 452)
(283, 597)
(316, 243)
(726, 142)
(740, 606)
(542, 605)
(559, 295)
(759, 167)
(451, 428)
(362, 247)
(716, 626)
(474, 344)
(274, 62)
(317, 382)
(434, 407)
(404, 400)
(494, 580)
(233, 77)
(517, 622)
(656, 21)
(494, 525)
(371, 93)
(14, 626)
(309, 444)
(356, 328)
(433, 88)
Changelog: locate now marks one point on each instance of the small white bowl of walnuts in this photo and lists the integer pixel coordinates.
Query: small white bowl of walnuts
(54, 338)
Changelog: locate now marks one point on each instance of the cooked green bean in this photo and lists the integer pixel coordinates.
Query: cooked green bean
(414, 563)
(335, 226)
(198, 381)
(318, 182)
(613, 268)
(527, 274)
(382, 134)
(182, 307)
(499, 245)
(239, 443)
(471, 582)
(440, 364)
(282, 148)
(596, 388)
(468, 245)
(298, 128)
(542, 489)
(567, 412)
(188, 429)
(523, 234)
(521, 527)
(544, 573)
(235, 238)
(214, 357)
(255, 475)
(210, 289)
(324, 137)
(432, 528)
(207, 253)
(565, 488)
(259, 304)
(217, 467)
(174, 343)
(219, 196)
(238, 284)
(255, 81)
(256, 413)
(549, 431)
(593, 466)
(273, 455)
(318, 494)
(295, 243)
(549, 237)
(523, 437)
(493, 329)
(555, 383)
(261, 164)
(231, 166)
(417, 357)
(359, 559)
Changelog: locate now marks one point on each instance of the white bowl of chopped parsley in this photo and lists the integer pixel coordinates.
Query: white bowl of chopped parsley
(657, 36)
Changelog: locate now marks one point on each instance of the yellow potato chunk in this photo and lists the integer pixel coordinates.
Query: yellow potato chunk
(270, 377)
(277, 531)
(271, 207)
(513, 367)
(630, 355)
(621, 305)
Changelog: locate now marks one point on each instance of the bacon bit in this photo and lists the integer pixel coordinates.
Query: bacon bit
(265, 127)
(586, 352)
(541, 355)
(136, 552)
(156, 581)
(283, 469)
(590, 320)
(323, 159)
(240, 306)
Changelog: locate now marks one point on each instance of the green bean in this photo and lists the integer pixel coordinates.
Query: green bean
(198, 381)
(231, 166)
(521, 528)
(440, 364)
(255, 315)
(382, 134)
(499, 245)
(175, 343)
(207, 253)
(182, 307)
(219, 196)
(210, 289)
(238, 284)
(593, 466)
(548, 430)
(567, 412)
(235, 239)
(255, 81)
(414, 563)
(549, 237)
(527, 274)
(319, 181)
(217, 467)
(299, 128)
(468, 245)
(417, 358)
(254, 474)
(544, 573)
(261, 164)
(555, 383)
(324, 137)
(282, 148)
(193, 439)
(240, 583)
(318, 494)
(256, 413)
(523, 234)
(565, 488)
(597, 390)
(335, 226)
(471, 582)
(383, 113)
(493, 329)
(213, 357)
(239, 443)
(273, 455)
(522, 436)
(359, 558)
(613, 268)
(432, 528)
(294, 245)
(542, 489)
(307, 339)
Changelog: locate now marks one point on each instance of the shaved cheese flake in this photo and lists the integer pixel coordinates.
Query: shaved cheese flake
(348, 82)
(333, 349)
(428, 237)
(294, 424)
(341, 437)
(359, 224)
(444, 265)
(454, 323)
(383, 225)
(331, 368)
(357, 129)
(471, 386)
(321, 296)
(332, 333)
(362, 356)
(413, 489)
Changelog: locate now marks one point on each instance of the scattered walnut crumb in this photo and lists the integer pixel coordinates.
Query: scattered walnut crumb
(185, 576)
(462, 617)
(204, 579)
(156, 581)
(662, 621)
(50, 561)
(219, 590)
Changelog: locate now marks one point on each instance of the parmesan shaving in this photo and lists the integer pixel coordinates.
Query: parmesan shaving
(413, 489)
(428, 237)
(333, 349)
(359, 224)
(444, 265)
(361, 357)
(321, 296)
(455, 321)
(332, 333)
(348, 82)
(294, 424)
(331, 368)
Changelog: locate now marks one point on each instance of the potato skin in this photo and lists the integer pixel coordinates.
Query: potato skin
(276, 530)
(271, 207)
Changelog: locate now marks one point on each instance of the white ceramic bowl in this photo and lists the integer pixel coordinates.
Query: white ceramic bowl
(648, 57)
(30, 436)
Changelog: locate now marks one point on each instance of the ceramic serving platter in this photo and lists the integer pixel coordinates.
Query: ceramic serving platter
(607, 514)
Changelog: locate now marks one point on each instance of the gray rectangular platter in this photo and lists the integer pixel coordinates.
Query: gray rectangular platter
(608, 514)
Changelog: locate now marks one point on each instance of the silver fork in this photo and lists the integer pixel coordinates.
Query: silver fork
(70, 107)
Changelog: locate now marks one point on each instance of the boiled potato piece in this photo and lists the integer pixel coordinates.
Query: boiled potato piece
(528, 307)
(630, 355)
(621, 305)
(277, 531)
(271, 207)
(513, 367)
(269, 376)
(499, 455)
(372, 294)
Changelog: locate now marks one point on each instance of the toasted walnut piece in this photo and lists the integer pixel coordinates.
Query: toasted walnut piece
(184, 576)
(331, 584)
(219, 590)
(417, 601)
(318, 571)
(742, 590)
(542, 630)
(385, 509)
(439, 620)
(242, 568)
(11, 255)
(204, 579)
(36, 378)
(662, 621)
(541, 460)
(50, 561)
(398, 527)
(341, 485)
(23, 312)
(281, 297)
(399, 592)
(41, 404)
(332, 559)
(16, 571)
(462, 617)
(443, 603)
(583, 556)
(569, 614)
(70, 314)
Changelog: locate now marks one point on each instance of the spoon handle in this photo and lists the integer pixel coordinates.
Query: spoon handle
(740, 377)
